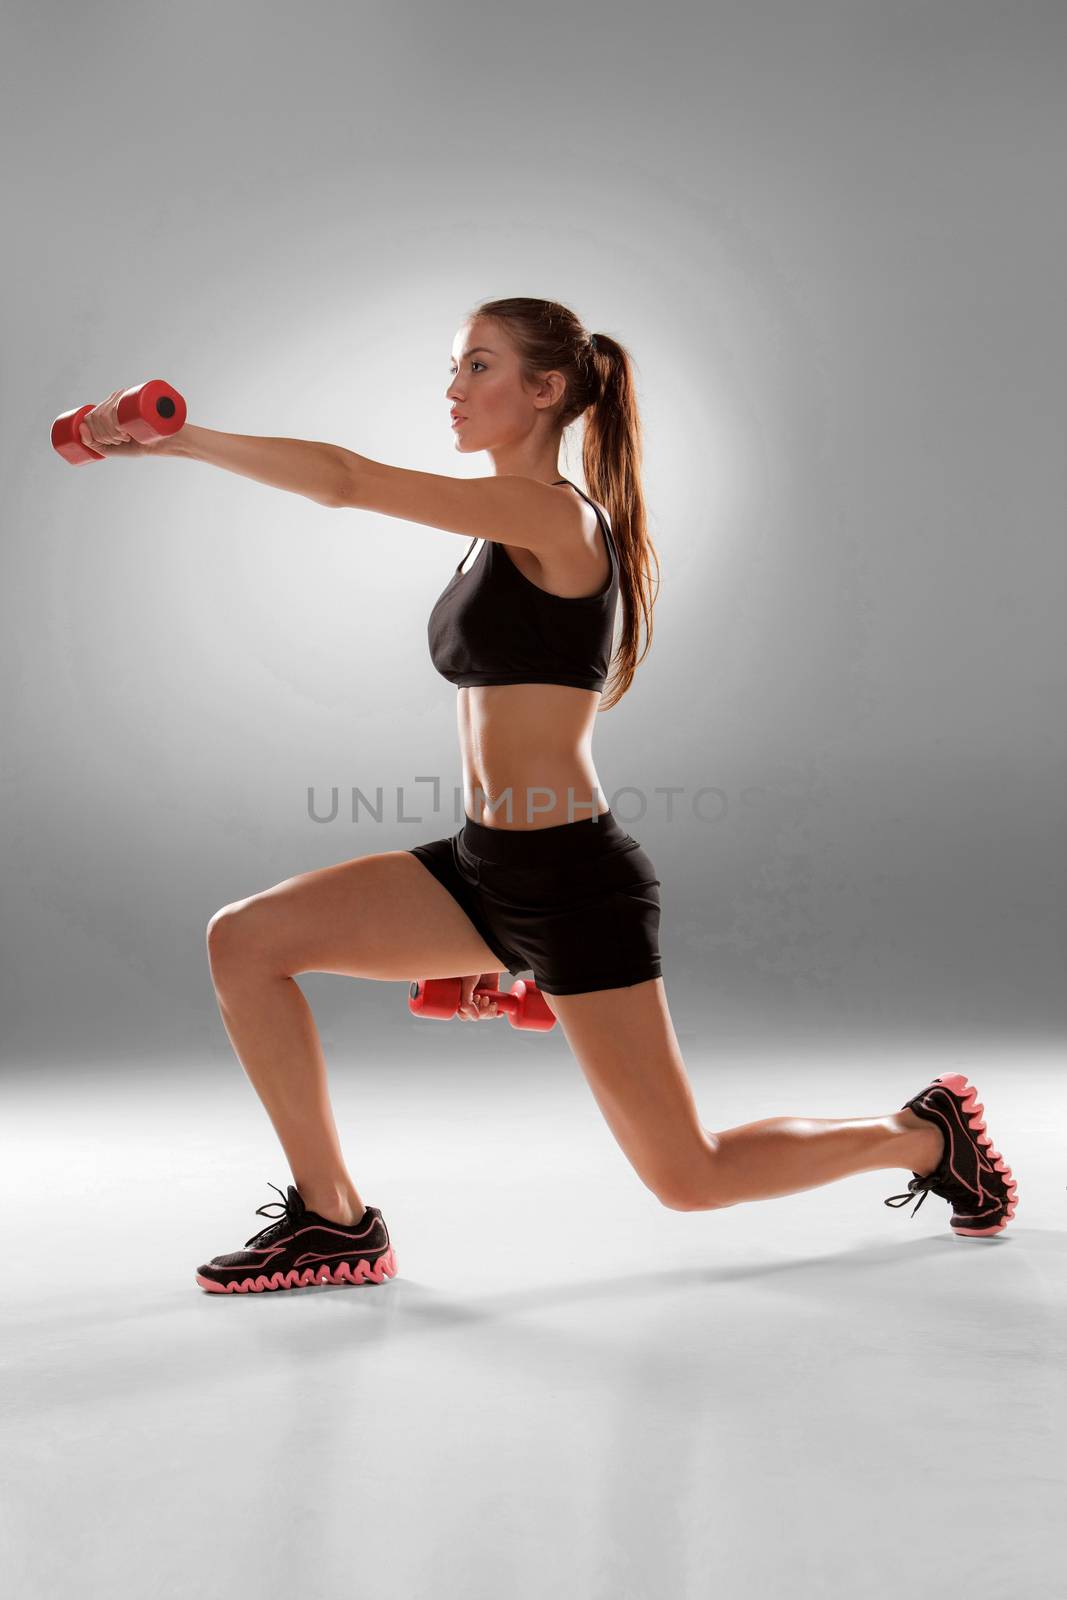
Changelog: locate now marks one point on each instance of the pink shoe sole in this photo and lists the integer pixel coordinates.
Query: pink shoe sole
(343, 1272)
(972, 1113)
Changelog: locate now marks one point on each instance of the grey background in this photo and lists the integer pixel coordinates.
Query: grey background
(832, 237)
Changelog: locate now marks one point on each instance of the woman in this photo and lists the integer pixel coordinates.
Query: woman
(541, 876)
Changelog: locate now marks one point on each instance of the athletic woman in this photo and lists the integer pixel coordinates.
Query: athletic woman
(542, 877)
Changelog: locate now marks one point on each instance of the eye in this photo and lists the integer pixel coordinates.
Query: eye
(452, 370)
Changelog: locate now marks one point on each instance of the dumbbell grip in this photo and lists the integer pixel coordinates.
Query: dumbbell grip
(147, 412)
(504, 999)
(523, 1004)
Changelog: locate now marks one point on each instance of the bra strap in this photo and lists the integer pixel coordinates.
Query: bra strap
(609, 536)
(470, 547)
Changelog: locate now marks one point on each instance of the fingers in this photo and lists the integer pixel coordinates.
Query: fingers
(474, 1007)
(102, 426)
(88, 437)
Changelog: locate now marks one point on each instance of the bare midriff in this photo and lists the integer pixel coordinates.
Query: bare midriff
(527, 754)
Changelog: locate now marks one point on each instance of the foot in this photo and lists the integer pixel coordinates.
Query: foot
(972, 1176)
(300, 1248)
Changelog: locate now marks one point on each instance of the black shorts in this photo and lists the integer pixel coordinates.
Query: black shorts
(577, 904)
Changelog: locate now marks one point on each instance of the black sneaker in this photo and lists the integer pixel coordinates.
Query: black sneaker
(301, 1248)
(971, 1175)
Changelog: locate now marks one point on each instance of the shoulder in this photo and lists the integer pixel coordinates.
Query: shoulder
(578, 564)
(507, 509)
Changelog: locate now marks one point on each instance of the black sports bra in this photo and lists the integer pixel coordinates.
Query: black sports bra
(492, 624)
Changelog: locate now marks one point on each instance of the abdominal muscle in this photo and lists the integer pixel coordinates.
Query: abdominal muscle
(527, 754)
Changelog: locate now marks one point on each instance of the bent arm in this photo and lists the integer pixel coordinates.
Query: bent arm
(318, 471)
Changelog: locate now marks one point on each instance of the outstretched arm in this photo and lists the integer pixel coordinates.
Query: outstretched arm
(521, 511)
(318, 471)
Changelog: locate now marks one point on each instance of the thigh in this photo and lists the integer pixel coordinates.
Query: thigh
(589, 924)
(376, 916)
(625, 1043)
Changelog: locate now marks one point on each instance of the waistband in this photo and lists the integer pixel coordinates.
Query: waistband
(565, 841)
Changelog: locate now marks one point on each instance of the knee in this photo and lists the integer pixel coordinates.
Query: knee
(694, 1181)
(229, 936)
(676, 1201)
(701, 1191)
(677, 1196)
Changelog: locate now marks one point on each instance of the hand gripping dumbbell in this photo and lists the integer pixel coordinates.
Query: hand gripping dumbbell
(523, 1003)
(147, 412)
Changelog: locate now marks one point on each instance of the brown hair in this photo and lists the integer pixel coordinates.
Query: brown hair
(600, 386)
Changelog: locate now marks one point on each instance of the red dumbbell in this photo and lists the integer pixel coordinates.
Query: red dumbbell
(147, 412)
(523, 1003)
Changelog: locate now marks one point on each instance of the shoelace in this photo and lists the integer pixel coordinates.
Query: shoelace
(954, 1193)
(290, 1215)
(914, 1188)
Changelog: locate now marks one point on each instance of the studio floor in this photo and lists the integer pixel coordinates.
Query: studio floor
(568, 1391)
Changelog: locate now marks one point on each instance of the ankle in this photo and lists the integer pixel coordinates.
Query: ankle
(922, 1144)
(345, 1207)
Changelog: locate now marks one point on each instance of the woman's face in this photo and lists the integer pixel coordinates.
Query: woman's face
(493, 406)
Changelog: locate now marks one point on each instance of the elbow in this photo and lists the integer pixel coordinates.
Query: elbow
(344, 480)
